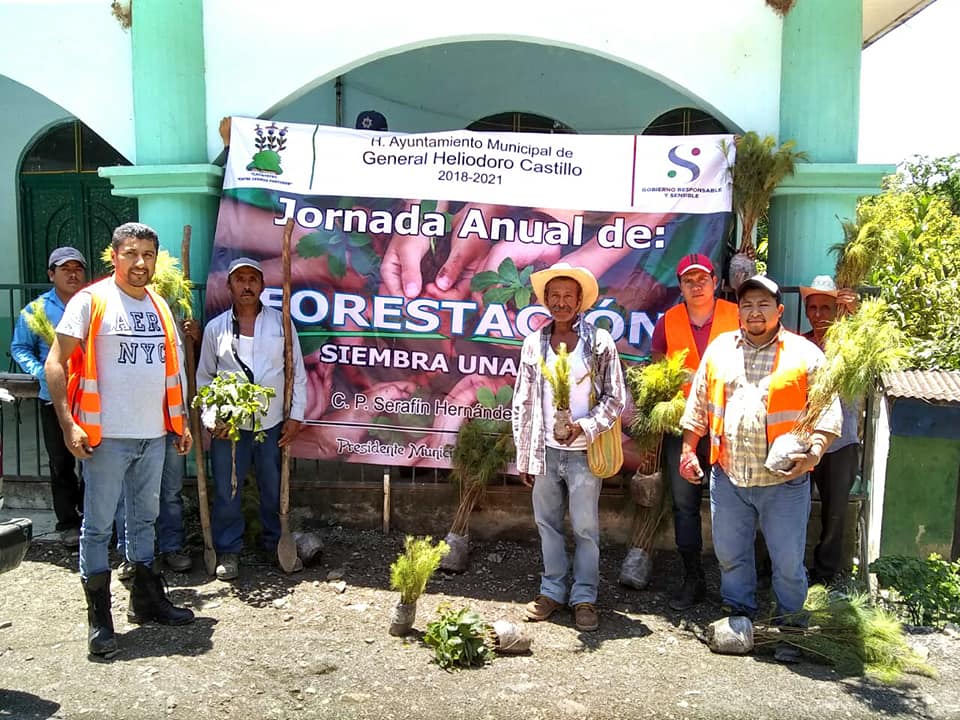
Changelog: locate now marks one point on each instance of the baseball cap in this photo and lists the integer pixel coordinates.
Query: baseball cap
(694, 261)
(64, 255)
(760, 282)
(244, 262)
(371, 120)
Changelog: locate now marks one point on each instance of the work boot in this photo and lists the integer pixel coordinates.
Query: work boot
(694, 587)
(100, 638)
(148, 599)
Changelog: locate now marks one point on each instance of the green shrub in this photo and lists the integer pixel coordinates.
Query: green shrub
(411, 571)
(927, 591)
(459, 638)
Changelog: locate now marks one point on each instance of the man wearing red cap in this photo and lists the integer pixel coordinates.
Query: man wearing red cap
(690, 326)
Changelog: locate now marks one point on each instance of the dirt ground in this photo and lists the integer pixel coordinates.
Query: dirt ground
(312, 645)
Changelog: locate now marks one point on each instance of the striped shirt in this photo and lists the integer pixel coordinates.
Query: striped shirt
(609, 388)
(746, 369)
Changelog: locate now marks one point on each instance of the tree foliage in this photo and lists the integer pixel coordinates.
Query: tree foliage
(914, 244)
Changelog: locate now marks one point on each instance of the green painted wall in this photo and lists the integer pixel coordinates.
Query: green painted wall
(819, 109)
(920, 496)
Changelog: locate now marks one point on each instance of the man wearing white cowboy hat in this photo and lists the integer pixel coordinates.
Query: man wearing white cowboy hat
(557, 470)
(835, 474)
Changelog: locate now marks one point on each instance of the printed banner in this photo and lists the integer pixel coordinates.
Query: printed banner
(412, 256)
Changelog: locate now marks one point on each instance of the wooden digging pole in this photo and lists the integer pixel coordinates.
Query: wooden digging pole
(209, 554)
(286, 548)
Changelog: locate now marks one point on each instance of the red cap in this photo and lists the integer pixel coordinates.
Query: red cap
(694, 261)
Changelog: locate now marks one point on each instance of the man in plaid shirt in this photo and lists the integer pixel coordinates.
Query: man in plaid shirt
(557, 470)
(750, 387)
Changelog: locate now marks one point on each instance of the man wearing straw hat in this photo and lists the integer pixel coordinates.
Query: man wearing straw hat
(558, 471)
(835, 474)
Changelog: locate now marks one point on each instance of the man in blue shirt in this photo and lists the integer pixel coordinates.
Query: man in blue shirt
(66, 269)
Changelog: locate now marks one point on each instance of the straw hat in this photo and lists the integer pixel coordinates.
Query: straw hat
(589, 290)
(821, 285)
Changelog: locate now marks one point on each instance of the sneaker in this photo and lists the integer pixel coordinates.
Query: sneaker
(125, 570)
(585, 617)
(177, 561)
(541, 608)
(70, 538)
(229, 566)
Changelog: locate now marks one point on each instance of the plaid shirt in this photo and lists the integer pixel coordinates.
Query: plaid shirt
(746, 370)
(609, 390)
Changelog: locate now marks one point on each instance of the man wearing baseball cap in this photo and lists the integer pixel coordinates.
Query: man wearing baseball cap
(750, 388)
(555, 466)
(32, 337)
(248, 339)
(835, 474)
(690, 326)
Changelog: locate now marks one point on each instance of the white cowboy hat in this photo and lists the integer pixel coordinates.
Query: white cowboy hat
(589, 290)
(821, 285)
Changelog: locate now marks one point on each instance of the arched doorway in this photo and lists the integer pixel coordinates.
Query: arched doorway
(64, 202)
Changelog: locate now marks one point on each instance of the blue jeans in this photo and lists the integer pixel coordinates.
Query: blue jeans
(227, 519)
(568, 481)
(120, 467)
(781, 511)
(686, 496)
(170, 517)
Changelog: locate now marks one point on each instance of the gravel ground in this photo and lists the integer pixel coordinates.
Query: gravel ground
(315, 645)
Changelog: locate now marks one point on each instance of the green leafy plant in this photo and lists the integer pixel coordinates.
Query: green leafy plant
(506, 284)
(459, 638)
(657, 391)
(411, 571)
(559, 378)
(926, 592)
(848, 633)
(857, 253)
(858, 348)
(229, 403)
(35, 316)
(479, 455)
(342, 250)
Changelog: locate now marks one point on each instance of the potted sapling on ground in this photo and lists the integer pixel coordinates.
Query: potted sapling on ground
(229, 404)
(483, 450)
(559, 381)
(409, 574)
(757, 170)
(858, 348)
(657, 392)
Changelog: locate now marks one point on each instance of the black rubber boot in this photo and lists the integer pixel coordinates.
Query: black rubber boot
(148, 599)
(100, 638)
(694, 588)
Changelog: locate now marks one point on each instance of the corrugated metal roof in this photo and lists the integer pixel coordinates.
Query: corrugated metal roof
(940, 385)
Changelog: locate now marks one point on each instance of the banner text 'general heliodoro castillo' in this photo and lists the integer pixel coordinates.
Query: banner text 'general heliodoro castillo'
(412, 256)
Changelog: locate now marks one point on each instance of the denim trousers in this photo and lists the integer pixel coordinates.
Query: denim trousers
(65, 486)
(568, 483)
(227, 518)
(125, 467)
(781, 512)
(170, 516)
(686, 496)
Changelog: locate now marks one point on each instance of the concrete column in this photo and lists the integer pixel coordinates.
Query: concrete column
(172, 180)
(819, 109)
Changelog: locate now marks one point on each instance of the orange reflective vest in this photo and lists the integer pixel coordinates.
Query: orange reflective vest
(676, 325)
(786, 395)
(82, 370)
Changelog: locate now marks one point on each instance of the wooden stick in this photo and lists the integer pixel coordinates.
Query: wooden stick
(286, 547)
(386, 499)
(209, 554)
